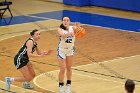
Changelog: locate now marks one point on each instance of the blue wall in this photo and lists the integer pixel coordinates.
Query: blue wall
(131, 5)
(84, 18)
(77, 2)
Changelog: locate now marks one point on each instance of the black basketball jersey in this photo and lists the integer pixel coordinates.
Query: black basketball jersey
(23, 51)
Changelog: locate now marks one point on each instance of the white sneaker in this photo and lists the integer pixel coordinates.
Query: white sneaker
(68, 88)
(8, 82)
(27, 85)
(61, 89)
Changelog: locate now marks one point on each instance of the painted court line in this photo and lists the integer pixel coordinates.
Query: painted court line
(84, 74)
(20, 88)
(87, 24)
(88, 76)
(10, 37)
(77, 66)
(76, 73)
(27, 32)
(119, 58)
(98, 78)
(34, 81)
(113, 28)
(26, 23)
(46, 18)
(38, 17)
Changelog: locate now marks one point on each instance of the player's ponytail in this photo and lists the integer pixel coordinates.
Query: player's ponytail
(62, 27)
(33, 32)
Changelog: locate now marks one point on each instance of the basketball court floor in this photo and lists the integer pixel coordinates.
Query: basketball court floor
(107, 56)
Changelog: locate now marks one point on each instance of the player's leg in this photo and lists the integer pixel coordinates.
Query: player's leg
(26, 77)
(69, 61)
(32, 73)
(62, 65)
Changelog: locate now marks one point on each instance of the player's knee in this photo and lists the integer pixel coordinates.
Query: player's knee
(33, 75)
(29, 78)
(62, 70)
(69, 69)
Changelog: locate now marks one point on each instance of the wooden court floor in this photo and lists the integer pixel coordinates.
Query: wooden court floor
(102, 51)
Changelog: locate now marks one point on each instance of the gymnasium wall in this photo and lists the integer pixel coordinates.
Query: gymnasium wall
(131, 5)
(77, 2)
(60, 1)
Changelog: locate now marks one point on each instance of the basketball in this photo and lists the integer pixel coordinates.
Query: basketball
(79, 32)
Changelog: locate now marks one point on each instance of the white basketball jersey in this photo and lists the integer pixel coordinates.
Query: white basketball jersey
(68, 41)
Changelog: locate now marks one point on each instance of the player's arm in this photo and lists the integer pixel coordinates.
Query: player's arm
(63, 34)
(76, 25)
(29, 45)
(38, 51)
(44, 52)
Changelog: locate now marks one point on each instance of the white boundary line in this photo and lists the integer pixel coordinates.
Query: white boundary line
(20, 88)
(83, 24)
(27, 32)
(106, 61)
(76, 74)
(73, 73)
(73, 67)
(11, 37)
(34, 80)
(39, 17)
(88, 24)
(32, 22)
(98, 78)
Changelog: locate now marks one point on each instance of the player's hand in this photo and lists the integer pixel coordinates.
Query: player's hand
(71, 33)
(48, 52)
(77, 24)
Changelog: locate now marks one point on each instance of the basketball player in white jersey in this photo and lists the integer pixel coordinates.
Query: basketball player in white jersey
(65, 52)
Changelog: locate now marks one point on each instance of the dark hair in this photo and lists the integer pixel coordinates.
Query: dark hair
(33, 32)
(129, 85)
(62, 26)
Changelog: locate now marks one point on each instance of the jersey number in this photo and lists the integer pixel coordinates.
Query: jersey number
(68, 41)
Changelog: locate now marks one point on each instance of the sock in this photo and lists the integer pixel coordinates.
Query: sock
(69, 82)
(61, 84)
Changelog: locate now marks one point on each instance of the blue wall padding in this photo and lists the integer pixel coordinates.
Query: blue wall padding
(79, 3)
(132, 5)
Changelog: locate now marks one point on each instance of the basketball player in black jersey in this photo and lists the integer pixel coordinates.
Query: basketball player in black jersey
(22, 62)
